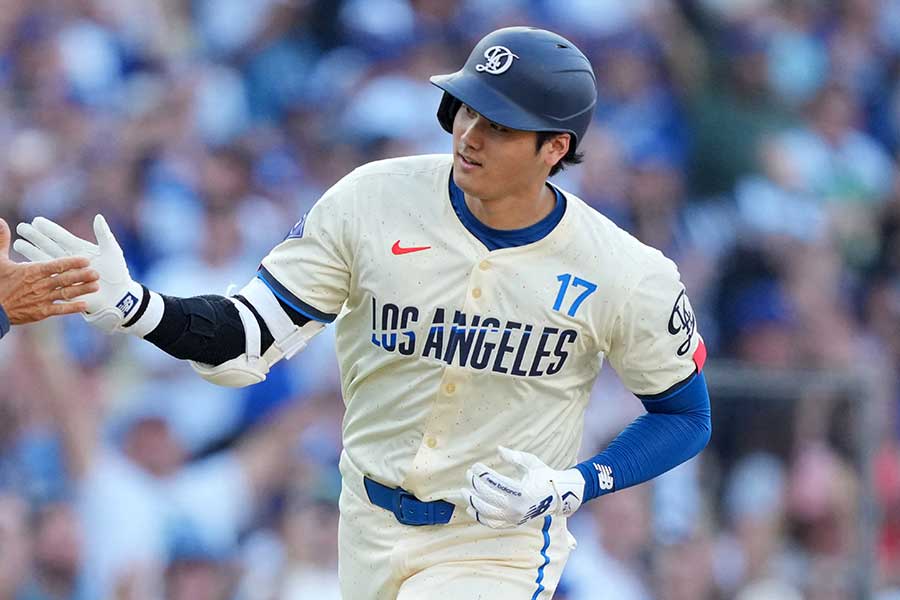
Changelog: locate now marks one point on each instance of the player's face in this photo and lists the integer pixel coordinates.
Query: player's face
(491, 161)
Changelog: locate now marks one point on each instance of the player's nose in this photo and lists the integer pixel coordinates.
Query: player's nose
(471, 134)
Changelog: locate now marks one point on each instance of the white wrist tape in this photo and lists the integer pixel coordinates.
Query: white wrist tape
(151, 317)
(113, 318)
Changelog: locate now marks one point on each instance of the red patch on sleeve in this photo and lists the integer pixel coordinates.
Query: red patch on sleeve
(700, 355)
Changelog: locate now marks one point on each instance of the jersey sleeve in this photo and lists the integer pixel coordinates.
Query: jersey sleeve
(310, 270)
(655, 342)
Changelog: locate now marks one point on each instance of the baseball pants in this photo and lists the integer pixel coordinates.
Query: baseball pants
(382, 559)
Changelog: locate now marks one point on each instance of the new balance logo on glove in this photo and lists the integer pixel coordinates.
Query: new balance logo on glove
(538, 509)
(127, 303)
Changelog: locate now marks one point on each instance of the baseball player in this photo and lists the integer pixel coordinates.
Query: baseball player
(474, 304)
(31, 292)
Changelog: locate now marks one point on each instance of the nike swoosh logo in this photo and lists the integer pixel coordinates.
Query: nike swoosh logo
(398, 250)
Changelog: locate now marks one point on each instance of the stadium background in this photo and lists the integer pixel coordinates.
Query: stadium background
(753, 141)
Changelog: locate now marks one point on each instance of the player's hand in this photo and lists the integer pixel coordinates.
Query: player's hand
(30, 292)
(118, 297)
(501, 502)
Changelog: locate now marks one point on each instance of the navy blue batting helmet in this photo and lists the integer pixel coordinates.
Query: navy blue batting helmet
(523, 78)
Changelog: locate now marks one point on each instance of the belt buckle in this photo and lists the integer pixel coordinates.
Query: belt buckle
(398, 508)
(419, 517)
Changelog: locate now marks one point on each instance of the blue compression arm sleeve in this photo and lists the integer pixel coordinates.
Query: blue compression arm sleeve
(676, 427)
(4, 322)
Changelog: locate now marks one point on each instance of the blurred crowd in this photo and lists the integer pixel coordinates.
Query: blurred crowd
(753, 141)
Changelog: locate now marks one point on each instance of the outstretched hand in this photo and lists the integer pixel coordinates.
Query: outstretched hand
(118, 297)
(32, 292)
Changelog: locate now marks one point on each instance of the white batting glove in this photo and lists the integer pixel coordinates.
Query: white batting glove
(501, 502)
(119, 295)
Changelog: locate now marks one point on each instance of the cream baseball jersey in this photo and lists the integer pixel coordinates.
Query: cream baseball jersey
(447, 349)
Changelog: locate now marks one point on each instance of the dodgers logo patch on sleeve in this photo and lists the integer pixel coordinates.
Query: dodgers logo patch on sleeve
(682, 322)
(297, 229)
(127, 303)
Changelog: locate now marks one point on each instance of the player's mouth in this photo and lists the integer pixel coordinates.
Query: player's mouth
(468, 163)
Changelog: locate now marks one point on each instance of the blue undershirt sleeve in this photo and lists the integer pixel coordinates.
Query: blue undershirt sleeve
(4, 322)
(676, 427)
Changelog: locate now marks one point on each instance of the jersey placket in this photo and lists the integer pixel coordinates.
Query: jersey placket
(449, 401)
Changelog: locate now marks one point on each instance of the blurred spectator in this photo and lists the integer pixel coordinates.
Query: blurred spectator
(751, 555)
(831, 157)
(755, 314)
(673, 581)
(198, 572)
(732, 111)
(15, 543)
(887, 481)
(613, 542)
(636, 103)
(57, 553)
(798, 59)
(655, 199)
(773, 202)
(310, 534)
(822, 502)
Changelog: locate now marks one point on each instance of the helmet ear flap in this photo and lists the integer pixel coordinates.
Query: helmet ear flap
(447, 111)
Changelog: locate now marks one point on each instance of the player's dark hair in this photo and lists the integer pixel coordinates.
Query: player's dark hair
(571, 158)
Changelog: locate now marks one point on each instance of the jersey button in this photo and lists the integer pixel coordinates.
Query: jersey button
(476, 293)
(450, 388)
(484, 265)
(431, 442)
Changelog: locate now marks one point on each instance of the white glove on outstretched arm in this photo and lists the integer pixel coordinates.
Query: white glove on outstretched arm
(119, 296)
(501, 502)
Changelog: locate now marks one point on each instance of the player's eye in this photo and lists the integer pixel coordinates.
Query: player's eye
(472, 115)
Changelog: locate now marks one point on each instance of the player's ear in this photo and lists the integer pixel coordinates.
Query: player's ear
(555, 148)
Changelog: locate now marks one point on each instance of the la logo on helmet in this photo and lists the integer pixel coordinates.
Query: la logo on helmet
(499, 60)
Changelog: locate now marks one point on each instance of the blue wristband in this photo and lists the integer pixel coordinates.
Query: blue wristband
(4, 322)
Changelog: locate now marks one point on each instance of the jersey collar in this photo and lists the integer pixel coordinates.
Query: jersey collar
(495, 239)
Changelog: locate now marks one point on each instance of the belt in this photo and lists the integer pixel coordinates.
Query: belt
(408, 509)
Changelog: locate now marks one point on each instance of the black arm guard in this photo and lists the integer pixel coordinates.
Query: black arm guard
(208, 329)
(205, 329)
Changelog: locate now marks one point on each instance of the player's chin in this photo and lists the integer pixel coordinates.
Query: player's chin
(469, 181)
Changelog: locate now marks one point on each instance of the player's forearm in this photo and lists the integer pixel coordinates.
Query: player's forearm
(232, 341)
(205, 329)
(675, 429)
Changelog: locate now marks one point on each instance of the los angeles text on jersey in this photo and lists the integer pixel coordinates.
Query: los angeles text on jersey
(471, 340)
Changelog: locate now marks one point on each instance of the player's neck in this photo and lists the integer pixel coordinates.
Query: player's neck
(514, 211)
